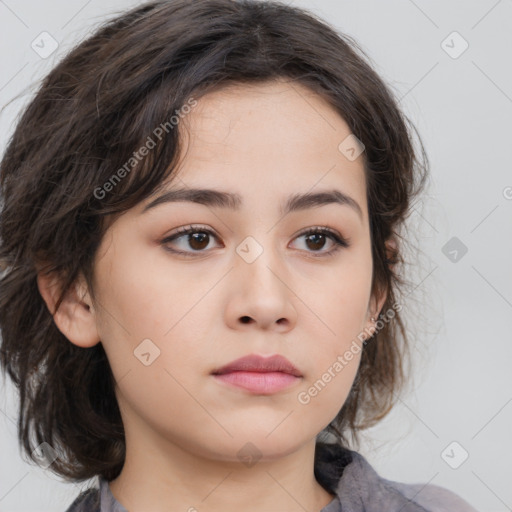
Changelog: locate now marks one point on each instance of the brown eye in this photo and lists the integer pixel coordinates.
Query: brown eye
(191, 240)
(316, 239)
(197, 240)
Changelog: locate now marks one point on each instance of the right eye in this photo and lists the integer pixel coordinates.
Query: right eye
(194, 237)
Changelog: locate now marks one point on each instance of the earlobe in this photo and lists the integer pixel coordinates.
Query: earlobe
(75, 317)
(376, 308)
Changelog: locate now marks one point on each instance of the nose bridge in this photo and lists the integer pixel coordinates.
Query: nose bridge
(260, 260)
(263, 278)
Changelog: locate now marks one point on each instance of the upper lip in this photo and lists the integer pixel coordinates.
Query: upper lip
(256, 363)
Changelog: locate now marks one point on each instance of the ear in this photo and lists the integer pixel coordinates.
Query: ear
(377, 303)
(75, 317)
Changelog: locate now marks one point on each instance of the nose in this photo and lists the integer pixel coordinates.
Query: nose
(261, 294)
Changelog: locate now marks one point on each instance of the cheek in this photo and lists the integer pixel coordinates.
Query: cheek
(151, 312)
(338, 302)
(138, 299)
(335, 333)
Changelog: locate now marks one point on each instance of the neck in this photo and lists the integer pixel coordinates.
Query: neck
(159, 475)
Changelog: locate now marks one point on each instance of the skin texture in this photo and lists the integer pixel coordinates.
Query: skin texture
(184, 429)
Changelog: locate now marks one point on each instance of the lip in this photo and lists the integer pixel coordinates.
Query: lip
(257, 374)
(257, 363)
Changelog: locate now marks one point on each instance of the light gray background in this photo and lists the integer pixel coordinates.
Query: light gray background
(462, 389)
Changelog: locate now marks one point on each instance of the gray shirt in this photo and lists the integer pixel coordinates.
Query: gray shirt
(345, 473)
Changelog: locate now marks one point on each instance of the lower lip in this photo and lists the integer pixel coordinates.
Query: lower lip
(259, 382)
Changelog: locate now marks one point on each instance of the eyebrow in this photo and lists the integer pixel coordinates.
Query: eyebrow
(221, 199)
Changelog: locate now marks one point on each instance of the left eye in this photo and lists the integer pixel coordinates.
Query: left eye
(315, 239)
(198, 239)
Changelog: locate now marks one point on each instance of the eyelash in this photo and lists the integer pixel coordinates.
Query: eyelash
(339, 241)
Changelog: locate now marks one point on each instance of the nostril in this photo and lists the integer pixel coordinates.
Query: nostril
(246, 319)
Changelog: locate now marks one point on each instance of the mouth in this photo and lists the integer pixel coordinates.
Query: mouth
(257, 363)
(257, 374)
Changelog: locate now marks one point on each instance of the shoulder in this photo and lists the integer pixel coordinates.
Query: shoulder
(86, 501)
(431, 497)
(407, 497)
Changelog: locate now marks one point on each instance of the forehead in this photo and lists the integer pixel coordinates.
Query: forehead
(274, 131)
(277, 112)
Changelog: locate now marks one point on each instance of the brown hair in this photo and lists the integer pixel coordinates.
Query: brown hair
(98, 105)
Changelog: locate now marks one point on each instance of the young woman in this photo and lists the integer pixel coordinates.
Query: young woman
(201, 241)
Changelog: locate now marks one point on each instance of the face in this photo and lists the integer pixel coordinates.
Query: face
(250, 278)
